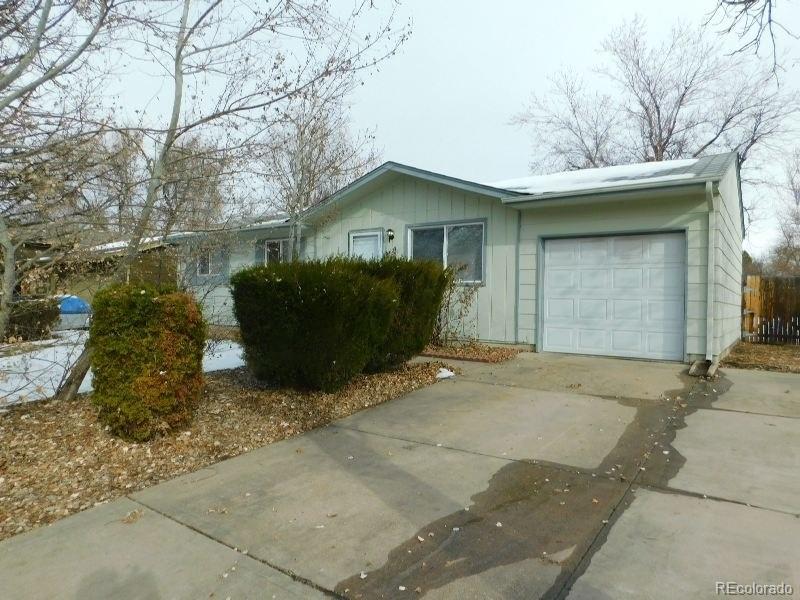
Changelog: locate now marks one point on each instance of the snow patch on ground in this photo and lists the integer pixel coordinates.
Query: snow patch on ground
(37, 374)
(445, 373)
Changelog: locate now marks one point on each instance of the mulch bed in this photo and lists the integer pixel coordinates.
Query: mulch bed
(473, 351)
(766, 357)
(56, 459)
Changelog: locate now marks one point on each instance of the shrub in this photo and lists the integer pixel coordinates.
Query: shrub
(147, 354)
(420, 285)
(32, 319)
(311, 324)
(454, 317)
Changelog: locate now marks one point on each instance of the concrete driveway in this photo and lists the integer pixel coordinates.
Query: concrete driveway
(549, 476)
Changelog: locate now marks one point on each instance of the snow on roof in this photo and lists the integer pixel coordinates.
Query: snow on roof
(123, 244)
(684, 170)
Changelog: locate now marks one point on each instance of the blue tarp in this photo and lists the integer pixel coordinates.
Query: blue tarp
(72, 305)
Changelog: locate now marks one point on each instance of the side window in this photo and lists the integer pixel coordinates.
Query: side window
(206, 265)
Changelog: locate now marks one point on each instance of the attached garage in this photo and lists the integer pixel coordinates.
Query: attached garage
(615, 295)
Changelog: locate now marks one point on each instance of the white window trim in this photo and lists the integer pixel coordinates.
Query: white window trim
(282, 241)
(365, 233)
(445, 226)
(211, 271)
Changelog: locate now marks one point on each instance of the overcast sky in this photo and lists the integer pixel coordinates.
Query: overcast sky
(445, 101)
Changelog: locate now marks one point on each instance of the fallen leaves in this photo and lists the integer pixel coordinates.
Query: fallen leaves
(473, 351)
(56, 459)
(766, 357)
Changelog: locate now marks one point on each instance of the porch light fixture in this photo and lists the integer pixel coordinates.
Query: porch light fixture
(390, 234)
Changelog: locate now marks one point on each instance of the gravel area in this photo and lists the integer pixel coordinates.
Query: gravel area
(56, 459)
(474, 351)
(766, 357)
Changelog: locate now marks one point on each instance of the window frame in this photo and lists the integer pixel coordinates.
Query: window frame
(445, 225)
(211, 272)
(365, 233)
(284, 249)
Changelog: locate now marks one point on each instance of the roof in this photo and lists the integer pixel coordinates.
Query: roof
(619, 178)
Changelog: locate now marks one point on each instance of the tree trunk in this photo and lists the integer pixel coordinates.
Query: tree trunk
(9, 277)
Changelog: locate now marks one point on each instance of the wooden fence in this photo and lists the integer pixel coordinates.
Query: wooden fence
(771, 310)
(774, 331)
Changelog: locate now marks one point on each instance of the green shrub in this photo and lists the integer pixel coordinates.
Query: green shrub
(147, 359)
(420, 287)
(311, 324)
(32, 319)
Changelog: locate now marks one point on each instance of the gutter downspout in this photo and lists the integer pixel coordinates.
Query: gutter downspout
(711, 277)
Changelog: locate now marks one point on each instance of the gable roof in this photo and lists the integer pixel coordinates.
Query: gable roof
(619, 178)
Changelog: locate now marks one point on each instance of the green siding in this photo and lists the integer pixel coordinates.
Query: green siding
(405, 201)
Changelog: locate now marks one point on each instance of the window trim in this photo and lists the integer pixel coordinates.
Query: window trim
(444, 225)
(353, 233)
(281, 241)
(211, 273)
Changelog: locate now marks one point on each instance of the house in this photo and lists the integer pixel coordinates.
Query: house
(83, 271)
(639, 261)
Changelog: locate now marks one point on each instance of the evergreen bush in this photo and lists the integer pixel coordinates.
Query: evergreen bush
(147, 354)
(312, 324)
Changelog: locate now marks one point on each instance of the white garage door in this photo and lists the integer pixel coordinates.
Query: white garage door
(615, 296)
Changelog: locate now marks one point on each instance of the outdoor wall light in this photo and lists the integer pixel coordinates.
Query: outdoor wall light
(390, 234)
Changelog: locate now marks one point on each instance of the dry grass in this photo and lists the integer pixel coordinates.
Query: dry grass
(56, 459)
(765, 357)
(474, 351)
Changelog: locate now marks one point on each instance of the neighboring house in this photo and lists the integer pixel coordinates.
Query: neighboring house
(640, 261)
(86, 270)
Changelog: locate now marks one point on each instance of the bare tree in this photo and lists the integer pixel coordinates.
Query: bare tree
(313, 154)
(231, 68)
(45, 132)
(751, 21)
(679, 99)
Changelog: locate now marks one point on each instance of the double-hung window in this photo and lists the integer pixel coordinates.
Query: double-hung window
(457, 245)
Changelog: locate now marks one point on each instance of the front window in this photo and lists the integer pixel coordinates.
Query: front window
(459, 246)
(366, 244)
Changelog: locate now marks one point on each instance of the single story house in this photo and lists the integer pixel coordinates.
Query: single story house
(639, 261)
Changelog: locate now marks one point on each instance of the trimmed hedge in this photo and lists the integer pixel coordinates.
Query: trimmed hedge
(32, 319)
(316, 324)
(147, 359)
(420, 286)
(311, 324)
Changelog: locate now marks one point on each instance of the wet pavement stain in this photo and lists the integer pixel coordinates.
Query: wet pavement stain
(556, 514)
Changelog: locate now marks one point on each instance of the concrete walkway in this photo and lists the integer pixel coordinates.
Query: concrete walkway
(549, 476)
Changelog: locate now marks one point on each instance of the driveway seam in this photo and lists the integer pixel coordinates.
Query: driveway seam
(289, 573)
(746, 412)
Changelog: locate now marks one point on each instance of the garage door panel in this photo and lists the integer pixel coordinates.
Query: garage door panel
(625, 310)
(559, 338)
(593, 308)
(627, 249)
(670, 278)
(616, 296)
(665, 249)
(596, 279)
(593, 252)
(561, 279)
(627, 278)
(592, 340)
(560, 308)
(626, 341)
